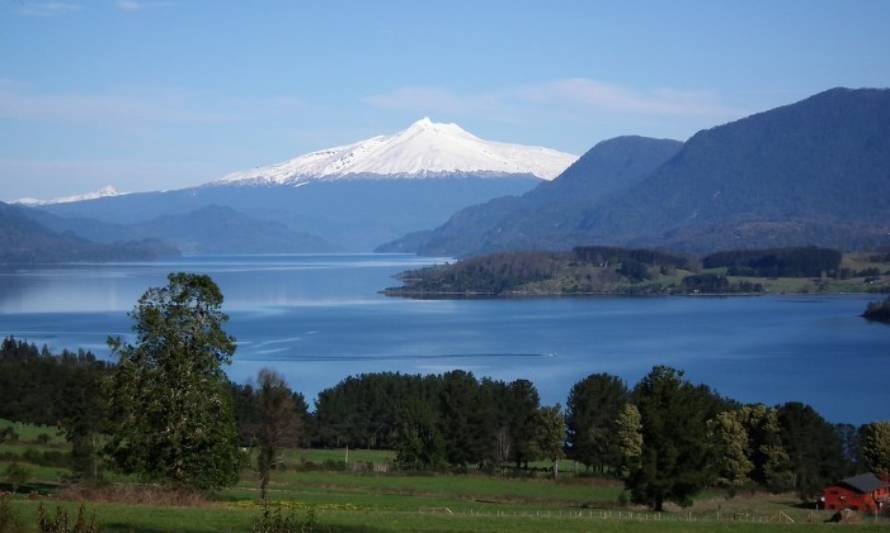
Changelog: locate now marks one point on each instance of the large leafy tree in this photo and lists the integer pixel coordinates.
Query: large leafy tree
(875, 447)
(591, 411)
(770, 461)
(170, 405)
(551, 434)
(676, 460)
(730, 441)
(629, 439)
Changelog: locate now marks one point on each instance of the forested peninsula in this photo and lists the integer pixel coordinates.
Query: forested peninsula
(604, 270)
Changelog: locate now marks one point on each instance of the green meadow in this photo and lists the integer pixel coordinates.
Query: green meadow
(365, 495)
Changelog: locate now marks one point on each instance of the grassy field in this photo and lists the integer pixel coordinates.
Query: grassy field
(855, 262)
(31, 432)
(352, 498)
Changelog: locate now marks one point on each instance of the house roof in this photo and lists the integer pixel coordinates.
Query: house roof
(865, 482)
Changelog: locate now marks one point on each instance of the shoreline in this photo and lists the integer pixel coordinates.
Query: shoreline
(435, 295)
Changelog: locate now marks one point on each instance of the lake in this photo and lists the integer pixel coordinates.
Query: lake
(319, 318)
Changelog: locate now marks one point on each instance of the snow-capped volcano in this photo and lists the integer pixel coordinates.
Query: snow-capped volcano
(105, 192)
(425, 149)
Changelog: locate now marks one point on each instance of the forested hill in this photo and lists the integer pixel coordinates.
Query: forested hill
(22, 240)
(212, 229)
(534, 219)
(594, 270)
(813, 172)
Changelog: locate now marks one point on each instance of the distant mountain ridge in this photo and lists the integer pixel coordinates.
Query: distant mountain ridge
(207, 230)
(813, 172)
(819, 163)
(25, 241)
(216, 230)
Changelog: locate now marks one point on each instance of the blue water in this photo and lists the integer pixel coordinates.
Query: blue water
(318, 319)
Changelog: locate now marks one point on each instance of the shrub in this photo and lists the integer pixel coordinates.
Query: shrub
(17, 475)
(278, 522)
(8, 434)
(61, 522)
(10, 521)
(334, 464)
(131, 494)
(623, 498)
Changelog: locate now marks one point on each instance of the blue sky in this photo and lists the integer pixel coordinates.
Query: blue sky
(149, 95)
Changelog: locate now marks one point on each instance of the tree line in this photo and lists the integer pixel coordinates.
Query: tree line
(451, 419)
(166, 412)
(801, 262)
(606, 255)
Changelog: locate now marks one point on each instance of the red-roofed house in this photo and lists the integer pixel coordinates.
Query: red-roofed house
(864, 492)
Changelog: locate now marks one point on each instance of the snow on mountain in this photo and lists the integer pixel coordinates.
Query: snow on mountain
(105, 192)
(425, 149)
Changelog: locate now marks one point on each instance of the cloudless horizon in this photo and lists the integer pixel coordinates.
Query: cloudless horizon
(154, 94)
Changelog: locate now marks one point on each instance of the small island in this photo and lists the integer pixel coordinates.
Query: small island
(605, 270)
(878, 311)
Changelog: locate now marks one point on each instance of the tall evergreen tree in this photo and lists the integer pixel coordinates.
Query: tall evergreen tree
(84, 415)
(851, 444)
(419, 442)
(815, 451)
(278, 424)
(457, 399)
(171, 416)
(591, 411)
(523, 402)
(491, 422)
(676, 457)
(305, 419)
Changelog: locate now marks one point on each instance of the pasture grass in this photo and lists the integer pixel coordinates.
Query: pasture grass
(29, 433)
(117, 517)
(347, 500)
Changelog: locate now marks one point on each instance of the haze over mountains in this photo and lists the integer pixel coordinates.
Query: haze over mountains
(23, 240)
(350, 198)
(208, 230)
(813, 172)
